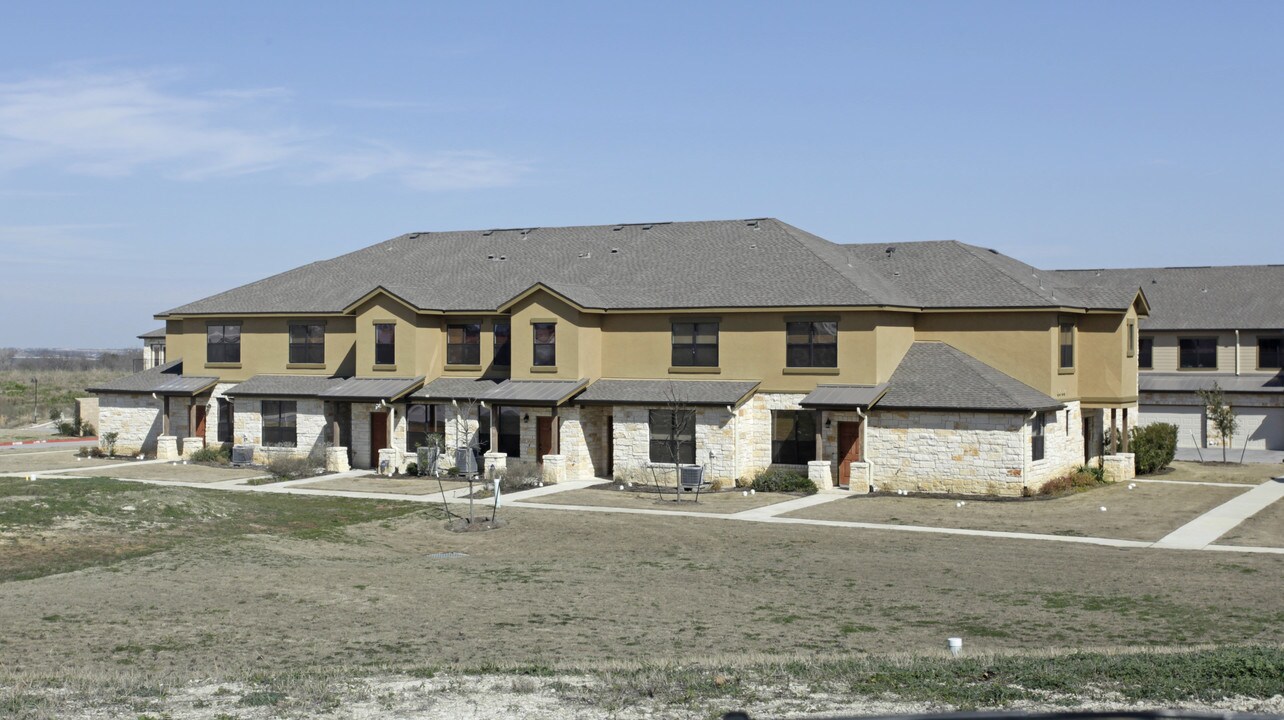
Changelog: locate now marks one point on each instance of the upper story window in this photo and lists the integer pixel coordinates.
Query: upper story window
(307, 343)
(793, 437)
(463, 344)
(695, 344)
(1132, 338)
(223, 343)
(1066, 335)
(672, 436)
(811, 344)
(1037, 435)
(385, 344)
(503, 351)
(1146, 353)
(1270, 354)
(545, 349)
(1198, 353)
(158, 354)
(280, 423)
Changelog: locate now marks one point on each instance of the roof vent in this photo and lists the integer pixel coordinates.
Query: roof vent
(993, 251)
(527, 231)
(615, 251)
(752, 223)
(647, 227)
(490, 256)
(412, 236)
(889, 252)
(488, 233)
(617, 228)
(586, 255)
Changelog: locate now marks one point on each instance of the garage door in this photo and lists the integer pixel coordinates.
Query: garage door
(1189, 422)
(1263, 427)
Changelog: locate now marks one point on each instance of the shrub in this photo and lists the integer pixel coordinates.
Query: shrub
(774, 480)
(108, 441)
(519, 477)
(744, 482)
(1077, 481)
(1153, 447)
(290, 467)
(412, 468)
(87, 430)
(715, 486)
(212, 454)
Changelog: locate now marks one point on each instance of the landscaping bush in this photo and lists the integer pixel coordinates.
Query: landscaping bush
(1153, 447)
(1078, 481)
(108, 442)
(412, 468)
(519, 477)
(291, 468)
(774, 480)
(212, 454)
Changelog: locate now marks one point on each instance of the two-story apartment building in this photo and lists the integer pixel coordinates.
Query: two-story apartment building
(602, 351)
(1222, 325)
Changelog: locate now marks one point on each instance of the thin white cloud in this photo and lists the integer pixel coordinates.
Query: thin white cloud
(128, 123)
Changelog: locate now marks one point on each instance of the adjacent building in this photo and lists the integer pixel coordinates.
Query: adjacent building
(615, 350)
(1210, 325)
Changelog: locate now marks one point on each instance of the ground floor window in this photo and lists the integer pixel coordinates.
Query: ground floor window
(280, 423)
(1036, 435)
(672, 436)
(225, 424)
(510, 432)
(423, 421)
(793, 437)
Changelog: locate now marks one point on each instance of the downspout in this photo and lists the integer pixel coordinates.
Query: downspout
(864, 433)
(1237, 352)
(735, 442)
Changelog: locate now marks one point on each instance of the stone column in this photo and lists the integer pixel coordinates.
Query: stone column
(1124, 430)
(167, 448)
(336, 458)
(819, 472)
(554, 469)
(859, 477)
(495, 463)
(191, 445)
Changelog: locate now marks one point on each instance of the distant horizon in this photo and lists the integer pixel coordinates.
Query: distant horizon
(154, 154)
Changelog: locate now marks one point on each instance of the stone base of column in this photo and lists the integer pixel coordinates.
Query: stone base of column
(859, 477)
(819, 472)
(167, 448)
(336, 459)
(191, 445)
(495, 463)
(554, 469)
(388, 461)
(1119, 467)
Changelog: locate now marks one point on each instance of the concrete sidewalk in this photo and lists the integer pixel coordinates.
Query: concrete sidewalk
(1205, 529)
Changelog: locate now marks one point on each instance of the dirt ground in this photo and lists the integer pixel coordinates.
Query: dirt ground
(1148, 512)
(709, 502)
(587, 588)
(1264, 529)
(1252, 473)
(183, 473)
(16, 461)
(376, 484)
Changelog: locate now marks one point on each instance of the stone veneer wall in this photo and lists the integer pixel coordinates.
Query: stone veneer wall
(310, 429)
(753, 431)
(969, 452)
(136, 419)
(716, 447)
(583, 441)
(212, 415)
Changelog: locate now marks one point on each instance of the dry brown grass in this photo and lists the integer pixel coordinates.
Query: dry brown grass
(1264, 529)
(720, 503)
(376, 484)
(1216, 472)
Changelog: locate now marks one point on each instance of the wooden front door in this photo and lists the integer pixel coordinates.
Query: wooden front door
(848, 450)
(378, 436)
(198, 426)
(543, 437)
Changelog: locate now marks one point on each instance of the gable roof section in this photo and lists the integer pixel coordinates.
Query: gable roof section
(167, 379)
(1231, 297)
(937, 376)
(727, 263)
(158, 333)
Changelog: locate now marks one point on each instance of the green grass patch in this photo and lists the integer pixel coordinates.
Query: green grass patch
(63, 524)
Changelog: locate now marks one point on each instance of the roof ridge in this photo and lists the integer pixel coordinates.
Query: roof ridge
(886, 294)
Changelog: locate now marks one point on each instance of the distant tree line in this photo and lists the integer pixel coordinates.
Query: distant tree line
(53, 359)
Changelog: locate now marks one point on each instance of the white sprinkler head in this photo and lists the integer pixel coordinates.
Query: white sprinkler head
(752, 491)
(958, 504)
(621, 487)
(1103, 508)
(745, 493)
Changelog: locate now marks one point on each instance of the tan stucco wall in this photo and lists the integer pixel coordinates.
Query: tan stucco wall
(265, 347)
(1021, 344)
(1107, 371)
(543, 306)
(751, 346)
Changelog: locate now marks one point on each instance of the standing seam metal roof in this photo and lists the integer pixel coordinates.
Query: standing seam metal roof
(167, 379)
(661, 392)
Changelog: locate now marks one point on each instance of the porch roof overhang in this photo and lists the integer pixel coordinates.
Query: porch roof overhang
(325, 388)
(1193, 381)
(662, 392)
(450, 388)
(533, 392)
(843, 397)
(167, 379)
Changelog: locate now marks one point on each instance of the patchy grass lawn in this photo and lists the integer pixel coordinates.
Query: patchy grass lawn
(1148, 512)
(191, 472)
(1250, 473)
(727, 502)
(54, 526)
(1264, 529)
(401, 485)
(18, 461)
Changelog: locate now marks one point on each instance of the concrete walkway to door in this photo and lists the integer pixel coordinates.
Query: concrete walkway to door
(1207, 528)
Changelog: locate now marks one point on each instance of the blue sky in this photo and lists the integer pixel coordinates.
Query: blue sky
(155, 153)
